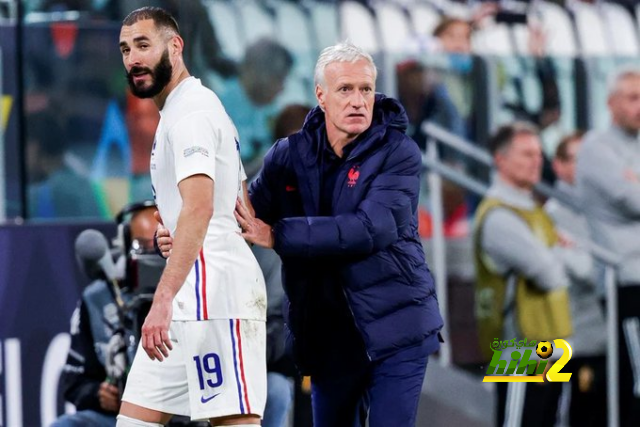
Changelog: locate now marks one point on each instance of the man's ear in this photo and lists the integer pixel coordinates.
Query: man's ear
(177, 45)
(320, 96)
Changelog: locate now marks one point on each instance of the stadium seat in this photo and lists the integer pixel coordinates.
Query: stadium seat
(325, 23)
(561, 37)
(424, 18)
(590, 30)
(256, 21)
(223, 18)
(293, 32)
(494, 39)
(619, 25)
(357, 24)
(394, 27)
(454, 9)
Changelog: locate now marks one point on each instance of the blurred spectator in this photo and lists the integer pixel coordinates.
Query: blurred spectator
(55, 189)
(454, 35)
(588, 405)
(453, 40)
(142, 119)
(290, 120)
(249, 99)
(608, 179)
(522, 270)
(91, 377)
(426, 100)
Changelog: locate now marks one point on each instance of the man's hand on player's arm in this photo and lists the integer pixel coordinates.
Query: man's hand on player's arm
(197, 209)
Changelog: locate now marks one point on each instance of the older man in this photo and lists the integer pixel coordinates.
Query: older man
(338, 202)
(607, 174)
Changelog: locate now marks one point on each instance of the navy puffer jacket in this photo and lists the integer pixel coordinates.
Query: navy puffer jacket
(371, 241)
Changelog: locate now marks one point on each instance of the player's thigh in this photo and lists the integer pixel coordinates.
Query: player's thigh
(226, 367)
(160, 386)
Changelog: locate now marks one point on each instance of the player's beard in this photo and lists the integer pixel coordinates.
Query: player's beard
(160, 77)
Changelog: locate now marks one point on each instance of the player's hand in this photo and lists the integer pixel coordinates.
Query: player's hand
(155, 330)
(254, 230)
(164, 240)
(109, 397)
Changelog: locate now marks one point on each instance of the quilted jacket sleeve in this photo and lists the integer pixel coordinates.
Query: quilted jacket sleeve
(385, 211)
(261, 187)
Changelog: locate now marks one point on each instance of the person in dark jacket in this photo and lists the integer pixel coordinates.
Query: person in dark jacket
(338, 202)
(94, 373)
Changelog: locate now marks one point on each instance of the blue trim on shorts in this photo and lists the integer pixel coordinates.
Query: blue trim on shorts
(197, 293)
(235, 366)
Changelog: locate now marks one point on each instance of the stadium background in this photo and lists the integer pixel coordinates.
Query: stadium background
(61, 57)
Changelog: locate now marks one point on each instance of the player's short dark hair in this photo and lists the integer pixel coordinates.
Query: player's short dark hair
(504, 136)
(162, 19)
(562, 150)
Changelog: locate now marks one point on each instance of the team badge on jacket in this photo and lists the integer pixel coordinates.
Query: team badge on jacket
(353, 176)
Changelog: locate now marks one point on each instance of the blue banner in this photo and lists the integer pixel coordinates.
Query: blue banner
(40, 284)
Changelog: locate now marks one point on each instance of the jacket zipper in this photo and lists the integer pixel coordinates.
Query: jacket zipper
(366, 350)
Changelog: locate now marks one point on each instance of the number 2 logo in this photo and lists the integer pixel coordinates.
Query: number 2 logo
(554, 374)
(209, 365)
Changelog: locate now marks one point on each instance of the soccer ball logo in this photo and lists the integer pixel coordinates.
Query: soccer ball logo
(544, 349)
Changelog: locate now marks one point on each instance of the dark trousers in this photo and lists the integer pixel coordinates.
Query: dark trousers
(588, 405)
(388, 390)
(527, 404)
(629, 354)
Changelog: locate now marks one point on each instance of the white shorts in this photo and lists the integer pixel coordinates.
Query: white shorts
(216, 368)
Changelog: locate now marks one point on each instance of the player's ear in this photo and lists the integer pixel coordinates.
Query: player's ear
(176, 45)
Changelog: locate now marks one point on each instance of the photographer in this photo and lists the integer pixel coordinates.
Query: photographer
(93, 376)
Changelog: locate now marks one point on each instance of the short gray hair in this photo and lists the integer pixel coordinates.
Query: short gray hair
(621, 74)
(342, 52)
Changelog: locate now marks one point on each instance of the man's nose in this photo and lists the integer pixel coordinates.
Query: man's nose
(133, 59)
(357, 100)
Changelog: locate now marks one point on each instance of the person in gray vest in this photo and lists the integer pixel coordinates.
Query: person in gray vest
(608, 181)
(519, 253)
(587, 387)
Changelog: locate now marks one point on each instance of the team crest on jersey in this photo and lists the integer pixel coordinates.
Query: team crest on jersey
(195, 150)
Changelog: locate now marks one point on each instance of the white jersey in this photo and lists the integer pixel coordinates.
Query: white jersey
(196, 136)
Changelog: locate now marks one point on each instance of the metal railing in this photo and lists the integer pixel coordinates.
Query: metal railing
(436, 170)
